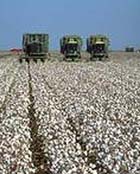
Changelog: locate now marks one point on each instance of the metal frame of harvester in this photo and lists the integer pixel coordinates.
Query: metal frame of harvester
(97, 46)
(129, 49)
(35, 46)
(70, 46)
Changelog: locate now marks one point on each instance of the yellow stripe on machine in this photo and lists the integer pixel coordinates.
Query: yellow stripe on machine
(72, 42)
(99, 42)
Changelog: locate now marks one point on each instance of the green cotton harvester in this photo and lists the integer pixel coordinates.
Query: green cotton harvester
(35, 46)
(97, 46)
(70, 46)
(129, 49)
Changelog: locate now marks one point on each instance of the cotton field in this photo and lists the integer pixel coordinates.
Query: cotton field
(69, 117)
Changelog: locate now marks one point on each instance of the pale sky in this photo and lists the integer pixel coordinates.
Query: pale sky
(120, 20)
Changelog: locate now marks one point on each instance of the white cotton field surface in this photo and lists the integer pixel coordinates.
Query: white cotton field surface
(70, 117)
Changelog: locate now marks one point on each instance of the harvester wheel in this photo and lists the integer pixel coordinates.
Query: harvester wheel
(27, 60)
(42, 60)
(35, 60)
(107, 56)
(100, 58)
(79, 56)
(73, 59)
(20, 60)
(64, 59)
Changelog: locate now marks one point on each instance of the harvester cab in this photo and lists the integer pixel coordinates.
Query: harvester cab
(34, 47)
(129, 49)
(97, 46)
(71, 46)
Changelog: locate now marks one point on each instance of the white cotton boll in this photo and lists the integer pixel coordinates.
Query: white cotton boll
(95, 89)
(95, 172)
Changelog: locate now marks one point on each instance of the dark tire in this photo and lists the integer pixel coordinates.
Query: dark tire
(35, 60)
(20, 60)
(100, 58)
(107, 57)
(91, 58)
(27, 60)
(42, 60)
(65, 57)
(73, 59)
(80, 56)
